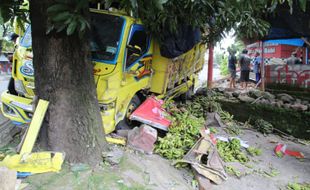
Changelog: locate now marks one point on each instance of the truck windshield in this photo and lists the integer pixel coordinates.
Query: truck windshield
(105, 35)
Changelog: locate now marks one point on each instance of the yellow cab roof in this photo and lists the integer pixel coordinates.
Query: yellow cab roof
(117, 12)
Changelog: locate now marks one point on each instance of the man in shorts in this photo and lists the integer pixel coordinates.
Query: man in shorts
(232, 61)
(244, 63)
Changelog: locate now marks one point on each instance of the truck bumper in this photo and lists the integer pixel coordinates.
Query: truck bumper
(20, 111)
(108, 120)
(16, 108)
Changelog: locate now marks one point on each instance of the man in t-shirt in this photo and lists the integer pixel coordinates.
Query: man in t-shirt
(244, 63)
(232, 61)
(293, 60)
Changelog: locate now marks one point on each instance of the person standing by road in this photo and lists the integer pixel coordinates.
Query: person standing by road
(232, 61)
(244, 63)
(293, 60)
(256, 67)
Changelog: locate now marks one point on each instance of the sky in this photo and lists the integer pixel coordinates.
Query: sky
(222, 46)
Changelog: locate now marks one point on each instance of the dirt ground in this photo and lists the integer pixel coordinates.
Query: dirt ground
(287, 169)
(137, 171)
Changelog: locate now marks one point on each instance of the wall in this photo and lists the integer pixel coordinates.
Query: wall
(297, 75)
(277, 52)
(293, 122)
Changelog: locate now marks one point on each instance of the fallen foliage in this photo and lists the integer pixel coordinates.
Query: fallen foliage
(263, 126)
(182, 135)
(254, 151)
(231, 151)
(298, 186)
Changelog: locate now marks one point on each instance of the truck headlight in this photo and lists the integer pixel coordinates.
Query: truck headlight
(19, 87)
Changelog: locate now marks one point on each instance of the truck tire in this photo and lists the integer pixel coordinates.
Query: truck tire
(11, 87)
(126, 123)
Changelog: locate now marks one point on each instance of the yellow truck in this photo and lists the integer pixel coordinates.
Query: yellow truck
(128, 67)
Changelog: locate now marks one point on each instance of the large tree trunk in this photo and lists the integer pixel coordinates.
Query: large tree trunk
(64, 76)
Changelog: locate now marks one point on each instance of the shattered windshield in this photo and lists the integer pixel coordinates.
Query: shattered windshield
(105, 36)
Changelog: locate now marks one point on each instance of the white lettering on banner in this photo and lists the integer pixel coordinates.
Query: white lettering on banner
(269, 50)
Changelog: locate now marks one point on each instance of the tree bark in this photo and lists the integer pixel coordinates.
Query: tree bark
(64, 77)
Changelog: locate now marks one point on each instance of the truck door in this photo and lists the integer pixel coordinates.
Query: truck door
(138, 56)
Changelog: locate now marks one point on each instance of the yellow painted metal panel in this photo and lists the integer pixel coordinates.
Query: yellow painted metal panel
(34, 127)
(169, 73)
(111, 140)
(39, 162)
(19, 114)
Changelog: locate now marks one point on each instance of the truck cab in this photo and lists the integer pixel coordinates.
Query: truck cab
(127, 67)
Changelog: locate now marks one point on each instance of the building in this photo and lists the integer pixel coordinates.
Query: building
(276, 53)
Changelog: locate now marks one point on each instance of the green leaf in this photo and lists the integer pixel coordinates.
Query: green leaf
(159, 4)
(68, 20)
(61, 16)
(49, 28)
(57, 8)
(303, 5)
(71, 27)
(61, 28)
(82, 26)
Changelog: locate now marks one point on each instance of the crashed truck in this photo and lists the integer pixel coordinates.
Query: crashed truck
(128, 66)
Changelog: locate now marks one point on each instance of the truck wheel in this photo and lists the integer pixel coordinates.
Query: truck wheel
(11, 87)
(126, 123)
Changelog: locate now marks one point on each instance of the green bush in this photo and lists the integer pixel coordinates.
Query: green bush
(224, 65)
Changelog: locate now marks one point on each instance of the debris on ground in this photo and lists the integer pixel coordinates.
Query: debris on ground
(214, 120)
(233, 171)
(4, 151)
(187, 145)
(116, 140)
(113, 156)
(142, 138)
(254, 151)
(152, 113)
(38, 162)
(298, 186)
(233, 128)
(203, 183)
(263, 126)
(182, 135)
(231, 151)
(281, 150)
(205, 160)
(225, 139)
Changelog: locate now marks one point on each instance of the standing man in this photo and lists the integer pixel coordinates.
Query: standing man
(244, 63)
(232, 61)
(256, 67)
(293, 60)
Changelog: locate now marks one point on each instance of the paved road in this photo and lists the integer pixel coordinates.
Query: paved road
(4, 80)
